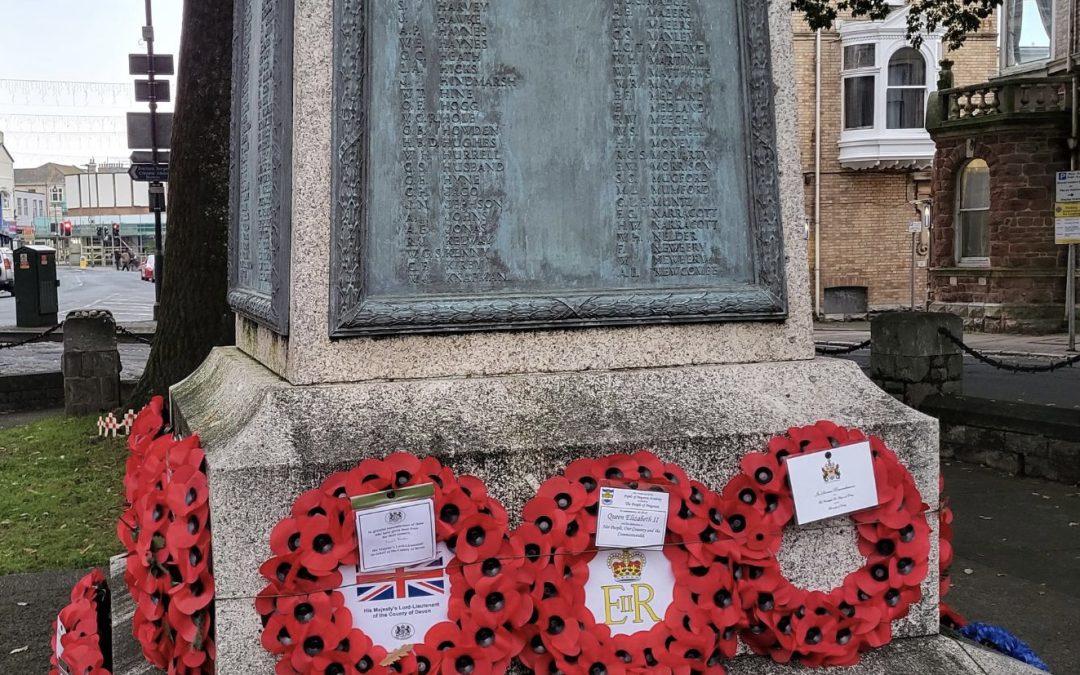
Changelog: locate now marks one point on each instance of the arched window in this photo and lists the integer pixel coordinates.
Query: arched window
(906, 99)
(973, 213)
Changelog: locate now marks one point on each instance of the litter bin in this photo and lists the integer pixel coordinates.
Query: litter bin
(35, 286)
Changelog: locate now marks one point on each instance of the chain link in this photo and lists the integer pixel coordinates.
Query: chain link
(34, 338)
(829, 350)
(134, 336)
(1004, 365)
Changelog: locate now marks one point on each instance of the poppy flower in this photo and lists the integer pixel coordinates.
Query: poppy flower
(187, 491)
(148, 423)
(190, 598)
(325, 544)
(452, 508)
(479, 538)
(559, 626)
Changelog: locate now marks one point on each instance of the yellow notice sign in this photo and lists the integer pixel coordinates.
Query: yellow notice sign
(1067, 210)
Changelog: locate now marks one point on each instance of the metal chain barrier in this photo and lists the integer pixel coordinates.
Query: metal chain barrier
(34, 338)
(1011, 367)
(827, 350)
(134, 336)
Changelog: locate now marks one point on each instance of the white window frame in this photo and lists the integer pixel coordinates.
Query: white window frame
(54, 191)
(925, 87)
(846, 74)
(1003, 35)
(961, 260)
(879, 146)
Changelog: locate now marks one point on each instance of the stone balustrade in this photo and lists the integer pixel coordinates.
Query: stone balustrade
(1000, 100)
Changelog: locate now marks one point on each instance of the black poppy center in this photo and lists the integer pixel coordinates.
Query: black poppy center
(313, 646)
(449, 513)
(475, 536)
(323, 544)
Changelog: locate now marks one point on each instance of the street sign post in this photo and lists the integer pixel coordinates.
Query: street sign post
(151, 131)
(1067, 233)
(149, 173)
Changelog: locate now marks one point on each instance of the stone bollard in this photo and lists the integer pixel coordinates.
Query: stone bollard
(91, 362)
(911, 359)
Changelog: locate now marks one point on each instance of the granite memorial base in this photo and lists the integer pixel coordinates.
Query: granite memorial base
(268, 440)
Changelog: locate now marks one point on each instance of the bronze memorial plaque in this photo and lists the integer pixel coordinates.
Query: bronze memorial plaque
(552, 163)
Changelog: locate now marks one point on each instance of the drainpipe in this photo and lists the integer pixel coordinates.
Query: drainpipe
(818, 309)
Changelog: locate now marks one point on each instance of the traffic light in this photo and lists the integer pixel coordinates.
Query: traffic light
(67, 229)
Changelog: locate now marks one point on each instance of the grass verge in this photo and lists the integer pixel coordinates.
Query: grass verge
(61, 492)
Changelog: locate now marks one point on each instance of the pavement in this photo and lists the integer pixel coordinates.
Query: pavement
(1017, 558)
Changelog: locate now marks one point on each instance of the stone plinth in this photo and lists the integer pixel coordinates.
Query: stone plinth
(91, 362)
(911, 359)
(267, 441)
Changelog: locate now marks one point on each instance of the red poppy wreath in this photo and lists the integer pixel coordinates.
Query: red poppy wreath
(76, 639)
(306, 616)
(812, 627)
(697, 630)
(166, 531)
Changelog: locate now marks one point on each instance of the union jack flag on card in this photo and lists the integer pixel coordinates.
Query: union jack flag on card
(419, 581)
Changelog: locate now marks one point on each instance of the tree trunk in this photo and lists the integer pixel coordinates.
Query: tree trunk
(194, 315)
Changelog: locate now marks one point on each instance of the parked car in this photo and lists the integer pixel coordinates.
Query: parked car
(146, 269)
(7, 270)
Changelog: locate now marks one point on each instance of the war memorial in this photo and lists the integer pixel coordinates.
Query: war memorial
(532, 275)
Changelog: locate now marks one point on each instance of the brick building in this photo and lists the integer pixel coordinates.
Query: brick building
(1000, 143)
(875, 153)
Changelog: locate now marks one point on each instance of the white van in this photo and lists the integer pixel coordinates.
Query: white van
(7, 271)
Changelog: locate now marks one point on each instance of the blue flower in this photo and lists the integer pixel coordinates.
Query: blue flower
(1004, 642)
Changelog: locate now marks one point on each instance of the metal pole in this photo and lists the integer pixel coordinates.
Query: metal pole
(1070, 278)
(914, 243)
(148, 35)
(1070, 300)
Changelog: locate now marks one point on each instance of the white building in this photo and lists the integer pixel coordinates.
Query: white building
(28, 206)
(105, 190)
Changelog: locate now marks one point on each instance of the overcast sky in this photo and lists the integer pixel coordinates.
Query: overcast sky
(73, 41)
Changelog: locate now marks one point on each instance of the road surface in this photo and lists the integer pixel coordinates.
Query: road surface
(123, 293)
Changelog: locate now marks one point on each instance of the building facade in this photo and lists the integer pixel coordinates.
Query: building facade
(29, 206)
(7, 192)
(47, 180)
(867, 156)
(1000, 144)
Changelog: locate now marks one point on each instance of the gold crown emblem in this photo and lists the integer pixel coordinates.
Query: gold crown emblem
(626, 566)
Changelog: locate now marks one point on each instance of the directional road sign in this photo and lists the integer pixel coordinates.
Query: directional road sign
(139, 64)
(149, 173)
